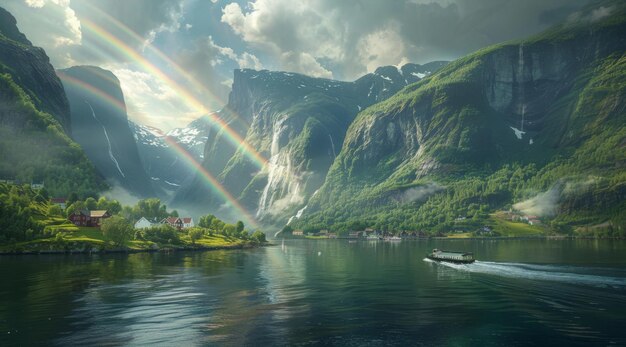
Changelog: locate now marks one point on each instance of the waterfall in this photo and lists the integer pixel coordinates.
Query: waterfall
(520, 81)
(333, 146)
(282, 184)
(106, 135)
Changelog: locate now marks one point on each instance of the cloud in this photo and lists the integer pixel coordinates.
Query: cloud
(211, 65)
(418, 193)
(303, 63)
(351, 37)
(382, 47)
(57, 11)
(151, 102)
(543, 204)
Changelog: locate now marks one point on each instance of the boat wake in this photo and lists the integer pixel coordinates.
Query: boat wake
(557, 273)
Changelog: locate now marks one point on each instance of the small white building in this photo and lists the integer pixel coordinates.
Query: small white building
(188, 222)
(143, 223)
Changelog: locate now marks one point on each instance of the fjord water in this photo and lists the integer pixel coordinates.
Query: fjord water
(329, 292)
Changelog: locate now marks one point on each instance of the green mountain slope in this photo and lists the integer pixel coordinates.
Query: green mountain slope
(33, 144)
(536, 125)
(298, 124)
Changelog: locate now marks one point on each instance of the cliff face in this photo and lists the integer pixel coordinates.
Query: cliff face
(553, 96)
(30, 67)
(297, 123)
(100, 126)
(34, 121)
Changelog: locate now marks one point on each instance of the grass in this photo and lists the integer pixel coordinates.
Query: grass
(514, 229)
(460, 235)
(218, 241)
(74, 237)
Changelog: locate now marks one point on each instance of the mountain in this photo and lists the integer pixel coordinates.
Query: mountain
(30, 68)
(34, 119)
(167, 157)
(296, 123)
(100, 126)
(536, 125)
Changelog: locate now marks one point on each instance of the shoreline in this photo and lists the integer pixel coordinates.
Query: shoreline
(131, 251)
(547, 237)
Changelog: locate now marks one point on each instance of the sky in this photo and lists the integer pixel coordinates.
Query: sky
(175, 58)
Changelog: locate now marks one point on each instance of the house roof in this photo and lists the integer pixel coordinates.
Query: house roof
(97, 213)
(171, 220)
(187, 220)
(94, 213)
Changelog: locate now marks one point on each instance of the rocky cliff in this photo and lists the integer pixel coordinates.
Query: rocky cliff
(297, 124)
(168, 158)
(35, 120)
(100, 126)
(30, 68)
(547, 109)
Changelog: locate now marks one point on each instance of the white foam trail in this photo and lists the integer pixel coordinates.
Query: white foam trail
(539, 272)
(108, 141)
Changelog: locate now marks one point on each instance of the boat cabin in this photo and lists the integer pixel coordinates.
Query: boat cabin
(461, 257)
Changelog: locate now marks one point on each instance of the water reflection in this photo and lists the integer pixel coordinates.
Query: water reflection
(320, 292)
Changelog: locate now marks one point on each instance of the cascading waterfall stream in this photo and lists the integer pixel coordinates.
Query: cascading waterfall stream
(332, 144)
(520, 74)
(282, 183)
(521, 107)
(106, 135)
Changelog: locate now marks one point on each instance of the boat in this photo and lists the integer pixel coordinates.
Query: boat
(439, 255)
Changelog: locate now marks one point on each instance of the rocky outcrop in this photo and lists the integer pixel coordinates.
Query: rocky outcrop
(35, 121)
(100, 126)
(530, 101)
(30, 67)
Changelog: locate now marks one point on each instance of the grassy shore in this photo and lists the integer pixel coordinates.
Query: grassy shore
(72, 239)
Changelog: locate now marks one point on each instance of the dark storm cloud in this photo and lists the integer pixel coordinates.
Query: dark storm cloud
(353, 36)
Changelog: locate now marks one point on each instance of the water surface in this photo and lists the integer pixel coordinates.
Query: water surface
(322, 292)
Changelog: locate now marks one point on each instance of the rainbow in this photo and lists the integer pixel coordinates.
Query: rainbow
(97, 93)
(211, 181)
(206, 176)
(130, 53)
(179, 70)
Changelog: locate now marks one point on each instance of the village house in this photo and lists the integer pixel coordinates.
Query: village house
(297, 233)
(143, 223)
(36, 186)
(179, 222)
(355, 234)
(59, 202)
(86, 218)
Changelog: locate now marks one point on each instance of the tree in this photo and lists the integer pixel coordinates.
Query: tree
(205, 221)
(91, 203)
(258, 237)
(75, 207)
(217, 225)
(72, 198)
(117, 229)
(230, 230)
(195, 234)
(240, 227)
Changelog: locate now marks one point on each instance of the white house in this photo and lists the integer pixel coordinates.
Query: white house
(188, 222)
(143, 223)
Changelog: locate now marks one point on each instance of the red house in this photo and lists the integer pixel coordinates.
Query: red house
(86, 218)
